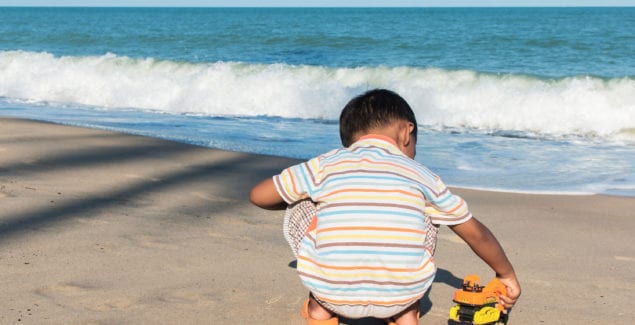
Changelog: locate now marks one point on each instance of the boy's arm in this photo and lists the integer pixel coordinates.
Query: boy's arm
(485, 245)
(266, 196)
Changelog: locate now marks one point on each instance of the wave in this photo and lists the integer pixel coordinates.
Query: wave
(583, 106)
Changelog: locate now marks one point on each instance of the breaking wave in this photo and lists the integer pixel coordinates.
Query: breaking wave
(517, 105)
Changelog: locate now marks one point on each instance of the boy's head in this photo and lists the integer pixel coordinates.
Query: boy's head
(373, 110)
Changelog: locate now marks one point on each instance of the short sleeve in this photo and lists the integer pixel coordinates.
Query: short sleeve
(445, 208)
(299, 181)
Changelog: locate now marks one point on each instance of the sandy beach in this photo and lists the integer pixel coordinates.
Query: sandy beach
(98, 227)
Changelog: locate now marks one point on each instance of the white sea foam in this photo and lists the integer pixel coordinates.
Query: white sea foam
(578, 106)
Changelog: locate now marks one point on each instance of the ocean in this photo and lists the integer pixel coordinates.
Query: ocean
(531, 100)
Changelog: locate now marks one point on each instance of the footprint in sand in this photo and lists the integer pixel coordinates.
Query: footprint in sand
(108, 304)
(188, 297)
(209, 197)
(273, 300)
(90, 297)
(141, 177)
(67, 289)
(147, 241)
(31, 161)
(219, 235)
(92, 222)
(5, 192)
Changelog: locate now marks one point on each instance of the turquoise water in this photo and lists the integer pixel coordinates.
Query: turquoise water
(544, 42)
(522, 99)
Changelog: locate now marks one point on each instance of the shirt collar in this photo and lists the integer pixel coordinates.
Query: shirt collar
(377, 140)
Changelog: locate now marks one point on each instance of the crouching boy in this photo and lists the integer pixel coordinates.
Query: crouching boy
(367, 247)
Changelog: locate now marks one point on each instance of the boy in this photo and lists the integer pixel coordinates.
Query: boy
(368, 251)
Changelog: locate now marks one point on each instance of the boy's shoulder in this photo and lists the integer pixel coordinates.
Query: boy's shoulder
(370, 153)
(331, 154)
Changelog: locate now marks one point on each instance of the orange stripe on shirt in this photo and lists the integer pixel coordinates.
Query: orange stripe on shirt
(461, 204)
(416, 231)
(365, 190)
(372, 162)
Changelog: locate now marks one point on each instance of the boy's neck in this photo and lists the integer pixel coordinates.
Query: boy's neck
(377, 136)
(388, 132)
(397, 133)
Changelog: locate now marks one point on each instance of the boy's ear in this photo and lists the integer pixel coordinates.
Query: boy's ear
(405, 133)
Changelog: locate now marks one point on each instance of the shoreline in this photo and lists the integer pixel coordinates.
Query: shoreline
(608, 192)
(102, 227)
(554, 193)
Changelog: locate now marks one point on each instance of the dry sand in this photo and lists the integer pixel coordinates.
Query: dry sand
(104, 228)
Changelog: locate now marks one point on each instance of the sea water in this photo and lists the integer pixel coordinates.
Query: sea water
(512, 99)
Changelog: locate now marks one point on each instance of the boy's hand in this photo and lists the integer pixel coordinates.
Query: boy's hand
(486, 246)
(513, 291)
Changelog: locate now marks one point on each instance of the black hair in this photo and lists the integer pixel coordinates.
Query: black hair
(373, 109)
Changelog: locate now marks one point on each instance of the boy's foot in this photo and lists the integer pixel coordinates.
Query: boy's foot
(329, 318)
(406, 317)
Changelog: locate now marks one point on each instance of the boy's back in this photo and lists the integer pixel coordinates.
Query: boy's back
(367, 251)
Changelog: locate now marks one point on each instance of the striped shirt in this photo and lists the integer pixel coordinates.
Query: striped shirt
(375, 207)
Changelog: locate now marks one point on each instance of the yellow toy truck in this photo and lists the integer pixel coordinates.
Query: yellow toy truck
(476, 304)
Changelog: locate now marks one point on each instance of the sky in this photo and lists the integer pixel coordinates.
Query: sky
(318, 3)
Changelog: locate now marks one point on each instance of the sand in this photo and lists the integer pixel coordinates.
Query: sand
(99, 227)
